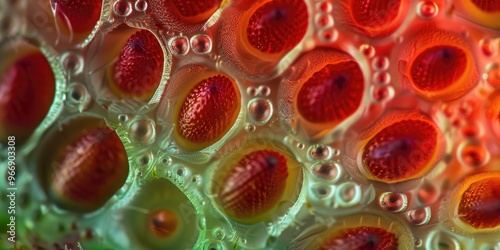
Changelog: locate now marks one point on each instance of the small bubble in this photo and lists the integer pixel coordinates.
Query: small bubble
(250, 128)
(180, 171)
(418, 242)
(264, 90)
(251, 91)
(393, 202)
(179, 46)
(323, 20)
(382, 93)
(122, 8)
(420, 216)
(327, 170)
(328, 35)
(321, 191)
(196, 179)
(367, 50)
(260, 110)
(427, 9)
(381, 78)
(471, 130)
(348, 194)
(380, 63)
(201, 44)
(324, 6)
(76, 93)
(219, 233)
(319, 152)
(142, 131)
(167, 160)
(473, 154)
(141, 5)
(122, 118)
(492, 75)
(427, 193)
(143, 159)
(300, 145)
(73, 63)
(487, 47)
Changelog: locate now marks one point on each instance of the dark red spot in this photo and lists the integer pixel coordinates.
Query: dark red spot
(480, 204)
(400, 150)
(139, 67)
(82, 15)
(487, 5)
(438, 67)
(374, 13)
(254, 185)
(362, 238)
(278, 25)
(332, 94)
(190, 8)
(209, 110)
(89, 171)
(27, 90)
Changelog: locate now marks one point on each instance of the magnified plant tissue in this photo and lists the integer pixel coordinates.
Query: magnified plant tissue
(249, 124)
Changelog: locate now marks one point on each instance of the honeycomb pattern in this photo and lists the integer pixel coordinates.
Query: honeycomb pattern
(267, 124)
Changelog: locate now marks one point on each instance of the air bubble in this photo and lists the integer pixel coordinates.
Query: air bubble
(142, 131)
(327, 170)
(300, 145)
(179, 46)
(141, 5)
(319, 152)
(321, 191)
(348, 194)
(201, 44)
(473, 154)
(144, 158)
(251, 91)
(264, 90)
(73, 63)
(122, 8)
(393, 202)
(427, 9)
(180, 171)
(381, 78)
(427, 193)
(260, 110)
(382, 93)
(167, 161)
(441, 241)
(367, 50)
(420, 216)
(196, 179)
(328, 35)
(77, 93)
(323, 20)
(492, 75)
(250, 128)
(325, 7)
(122, 118)
(380, 63)
(487, 47)
(219, 233)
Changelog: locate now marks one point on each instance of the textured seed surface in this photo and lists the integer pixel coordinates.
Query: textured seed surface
(332, 94)
(209, 110)
(480, 204)
(362, 238)
(400, 150)
(191, 8)
(438, 67)
(82, 15)
(254, 185)
(488, 5)
(278, 25)
(374, 13)
(140, 65)
(89, 171)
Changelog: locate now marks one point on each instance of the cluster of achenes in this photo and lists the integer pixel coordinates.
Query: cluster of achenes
(250, 124)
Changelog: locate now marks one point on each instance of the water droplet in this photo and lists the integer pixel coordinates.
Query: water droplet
(213, 245)
(300, 145)
(382, 93)
(427, 9)
(264, 90)
(321, 191)
(327, 170)
(471, 130)
(73, 63)
(250, 128)
(328, 35)
(381, 78)
(142, 131)
(319, 152)
(380, 63)
(122, 118)
(473, 154)
(367, 50)
(201, 44)
(76, 93)
(492, 75)
(122, 8)
(488, 47)
(144, 159)
(179, 46)
(260, 110)
(393, 202)
(323, 20)
(418, 242)
(219, 233)
(167, 160)
(427, 193)
(251, 91)
(348, 194)
(324, 6)
(181, 171)
(141, 5)
(420, 216)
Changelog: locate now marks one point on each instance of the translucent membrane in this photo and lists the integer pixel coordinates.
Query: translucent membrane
(160, 216)
(372, 18)
(82, 165)
(27, 87)
(139, 68)
(79, 16)
(252, 182)
(207, 111)
(439, 65)
(485, 12)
